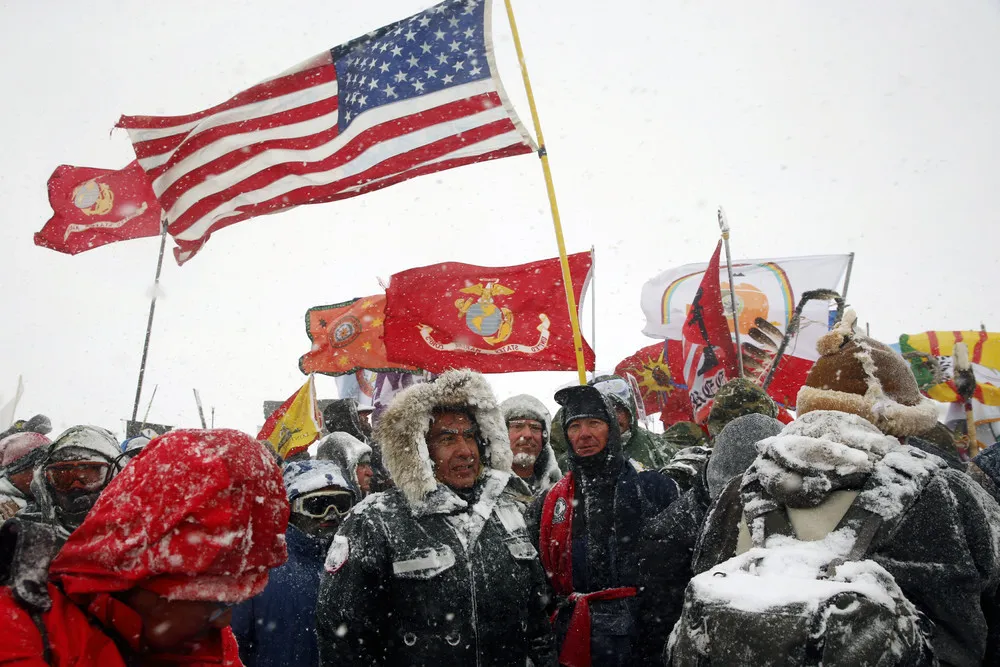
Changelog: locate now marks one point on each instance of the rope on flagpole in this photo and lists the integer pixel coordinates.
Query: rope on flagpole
(149, 323)
(574, 318)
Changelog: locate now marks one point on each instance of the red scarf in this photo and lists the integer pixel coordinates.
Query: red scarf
(556, 535)
(556, 551)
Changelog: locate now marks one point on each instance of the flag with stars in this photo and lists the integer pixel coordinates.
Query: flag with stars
(415, 97)
(347, 337)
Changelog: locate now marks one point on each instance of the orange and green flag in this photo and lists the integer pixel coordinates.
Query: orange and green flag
(930, 357)
(296, 424)
(347, 337)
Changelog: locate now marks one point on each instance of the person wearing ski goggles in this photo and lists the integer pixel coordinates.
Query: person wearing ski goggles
(77, 467)
(322, 511)
(321, 496)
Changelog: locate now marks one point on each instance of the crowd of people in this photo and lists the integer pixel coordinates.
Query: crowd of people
(461, 530)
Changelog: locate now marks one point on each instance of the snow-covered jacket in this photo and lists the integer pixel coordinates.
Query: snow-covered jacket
(612, 506)
(939, 535)
(422, 576)
(278, 627)
(546, 470)
(200, 515)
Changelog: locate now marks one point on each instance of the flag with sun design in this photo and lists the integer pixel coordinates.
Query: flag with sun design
(658, 371)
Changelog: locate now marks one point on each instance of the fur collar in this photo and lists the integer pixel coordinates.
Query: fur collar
(890, 417)
(402, 430)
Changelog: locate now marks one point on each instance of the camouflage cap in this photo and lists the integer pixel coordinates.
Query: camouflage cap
(685, 434)
(737, 398)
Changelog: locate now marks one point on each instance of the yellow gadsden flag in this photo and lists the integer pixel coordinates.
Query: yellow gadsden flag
(296, 424)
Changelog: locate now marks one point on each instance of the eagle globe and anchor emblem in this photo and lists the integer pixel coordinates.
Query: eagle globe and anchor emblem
(482, 315)
(490, 320)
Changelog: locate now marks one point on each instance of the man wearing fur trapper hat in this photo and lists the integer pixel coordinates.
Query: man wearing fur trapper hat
(439, 570)
(928, 534)
(528, 427)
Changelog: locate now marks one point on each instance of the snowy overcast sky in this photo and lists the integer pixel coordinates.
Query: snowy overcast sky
(820, 127)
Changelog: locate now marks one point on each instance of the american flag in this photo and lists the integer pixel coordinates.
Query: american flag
(415, 97)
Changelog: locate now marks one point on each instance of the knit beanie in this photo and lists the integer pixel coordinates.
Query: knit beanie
(864, 377)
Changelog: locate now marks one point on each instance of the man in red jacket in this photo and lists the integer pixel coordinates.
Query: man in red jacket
(188, 529)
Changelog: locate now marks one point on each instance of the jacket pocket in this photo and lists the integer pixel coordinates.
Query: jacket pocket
(424, 563)
(522, 550)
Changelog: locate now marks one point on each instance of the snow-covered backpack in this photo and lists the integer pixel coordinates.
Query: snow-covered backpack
(802, 603)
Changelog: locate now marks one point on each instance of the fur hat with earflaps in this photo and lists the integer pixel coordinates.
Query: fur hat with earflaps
(864, 377)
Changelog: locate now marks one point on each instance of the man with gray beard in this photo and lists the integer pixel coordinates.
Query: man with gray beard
(529, 425)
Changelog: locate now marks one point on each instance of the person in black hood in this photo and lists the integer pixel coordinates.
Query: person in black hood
(588, 528)
(342, 416)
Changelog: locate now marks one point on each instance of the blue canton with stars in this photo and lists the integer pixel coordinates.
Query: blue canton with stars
(441, 47)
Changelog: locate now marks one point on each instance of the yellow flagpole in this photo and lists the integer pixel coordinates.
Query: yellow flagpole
(574, 319)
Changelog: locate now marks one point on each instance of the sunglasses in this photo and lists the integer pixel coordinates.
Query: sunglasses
(82, 475)
(319, 505)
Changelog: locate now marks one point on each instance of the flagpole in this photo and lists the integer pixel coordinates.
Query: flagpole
(593, 307)
(201, 413)
(847, 277)
(724, 226)
(550, 186)
(149, 323)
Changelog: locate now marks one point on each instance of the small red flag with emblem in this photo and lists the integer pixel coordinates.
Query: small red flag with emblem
(489, 319)
(347, 337)
(94, 207)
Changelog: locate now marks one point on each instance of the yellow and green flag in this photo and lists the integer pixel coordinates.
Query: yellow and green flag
(296, 424)
(930, 357)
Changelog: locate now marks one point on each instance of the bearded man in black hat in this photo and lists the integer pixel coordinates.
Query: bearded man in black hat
(588, 528)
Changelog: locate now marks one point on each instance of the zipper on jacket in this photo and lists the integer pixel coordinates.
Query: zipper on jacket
(472, 588)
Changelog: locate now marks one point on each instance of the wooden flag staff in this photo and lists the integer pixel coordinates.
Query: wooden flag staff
(149, 323)
(543, 155)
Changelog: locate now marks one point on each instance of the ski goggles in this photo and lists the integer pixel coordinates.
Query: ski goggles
(616, 387)
(318, 505)
(87, 476)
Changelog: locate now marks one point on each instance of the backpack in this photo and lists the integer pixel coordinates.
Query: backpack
(800, 603)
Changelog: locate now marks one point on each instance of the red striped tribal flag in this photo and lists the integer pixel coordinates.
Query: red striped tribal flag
(415, 97)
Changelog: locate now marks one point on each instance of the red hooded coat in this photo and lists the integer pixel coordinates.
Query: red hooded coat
(198, 515)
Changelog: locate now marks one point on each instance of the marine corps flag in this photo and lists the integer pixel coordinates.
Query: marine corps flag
(492, 320)
(94, 207)
(347, 337)
(296, 424)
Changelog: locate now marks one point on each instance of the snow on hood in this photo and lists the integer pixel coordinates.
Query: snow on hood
(84, 443)
(302, 477)
(403, 428)
(525, 406)
(343, 448)
(827, 441)
(200, 515)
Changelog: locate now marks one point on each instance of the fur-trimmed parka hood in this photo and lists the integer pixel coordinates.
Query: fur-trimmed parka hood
(402, 430)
